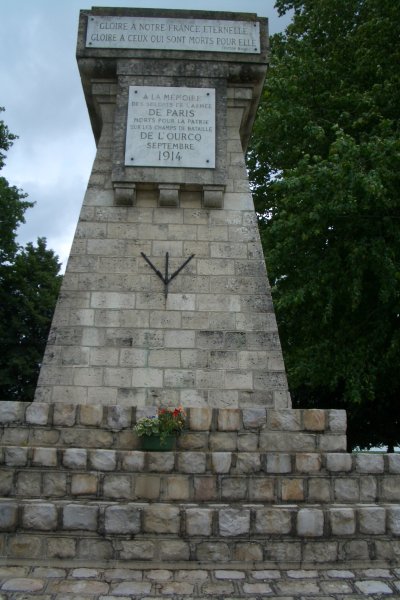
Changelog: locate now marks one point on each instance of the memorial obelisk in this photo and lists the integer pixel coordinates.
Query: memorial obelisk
(165, 298)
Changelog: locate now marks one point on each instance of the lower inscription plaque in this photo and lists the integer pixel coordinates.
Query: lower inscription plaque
(170, 127)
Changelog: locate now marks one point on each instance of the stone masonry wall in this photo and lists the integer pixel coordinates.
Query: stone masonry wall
(116, 339)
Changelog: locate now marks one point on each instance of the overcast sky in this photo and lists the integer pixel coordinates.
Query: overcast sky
(41, 91)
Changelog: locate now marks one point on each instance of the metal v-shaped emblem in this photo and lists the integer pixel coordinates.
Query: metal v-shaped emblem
(166, 278)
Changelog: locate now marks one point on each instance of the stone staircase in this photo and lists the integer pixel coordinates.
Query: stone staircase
(246, 489)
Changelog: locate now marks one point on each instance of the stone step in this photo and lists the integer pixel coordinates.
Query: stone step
(206, 532)
(62, 580)
(66, 425)
(198, 476)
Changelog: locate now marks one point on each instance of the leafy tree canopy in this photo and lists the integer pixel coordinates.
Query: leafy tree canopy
(325, 169)
(29, 284)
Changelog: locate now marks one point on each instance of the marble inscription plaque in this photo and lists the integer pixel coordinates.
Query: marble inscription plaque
(170, 127)
(153, 33)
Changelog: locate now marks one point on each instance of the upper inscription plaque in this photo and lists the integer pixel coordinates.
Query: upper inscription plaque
(153, 33)
(170, 127)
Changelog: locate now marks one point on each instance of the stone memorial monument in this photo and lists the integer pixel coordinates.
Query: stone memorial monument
(165, 301)
(165, 297)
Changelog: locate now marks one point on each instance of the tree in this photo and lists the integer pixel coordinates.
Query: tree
(325, 168)
(29, 285)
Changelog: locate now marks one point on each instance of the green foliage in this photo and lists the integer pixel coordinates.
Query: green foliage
(29, 285)
(169, 421)
(325, 168)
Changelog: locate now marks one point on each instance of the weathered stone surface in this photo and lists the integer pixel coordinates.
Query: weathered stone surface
(103, 460)
(161, 518)
(122, 519)
(342, 521)
(80, 516)
(40, 516)
(310, 522)
(273, 521)
(234, 522)
(75, 458)
(199, 521)
(8, 516)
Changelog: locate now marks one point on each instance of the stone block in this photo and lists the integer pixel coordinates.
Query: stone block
(103, 460)
(284, 420)
(233, 522)
(390, 488)
(278, 463)
(247, 442)
(229, 419)
(234, 488)
(61, 547)
(117, 486)
(177, 487)
(80, 516)
(84, 485)
(8, 516)
(91, 415)
(161, 518)
(199, 521)
(44, 457)
(342, 521)
(332, 443)
(221, 462)
(28, 484)
(15, 456)
(64, 415)
(200, 419)
(369, 463)
(12, 412)
(276, 521)
(372, 520)
(37, 413)
(137, 550)
(393, 518)
(310, 522)
(274, 441)
(23, 584)
(160, 462)
(173, 550)
(254, 418)
(346, 489)
(132, 460)
(119, 417)
(54, 484)
(320, 552)
(223, 441)
(393, 463)
(314, 419)
(205, 489)
(122, 519)
(192, 462)
(319, 489)
(94, 549)
(26, 546)
(75, 458)
(213, 552)
(40, 516)
(308, 462)
(247, 552)
(337, 462)
(337, 421)
(247, 462)
(261, 489)
(368, 488)
(292, 490)
(147, 487)
(193, 441)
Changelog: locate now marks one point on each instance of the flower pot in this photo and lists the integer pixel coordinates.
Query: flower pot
(152, 443)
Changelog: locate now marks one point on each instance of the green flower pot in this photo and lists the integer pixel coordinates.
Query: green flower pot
(152, 443)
